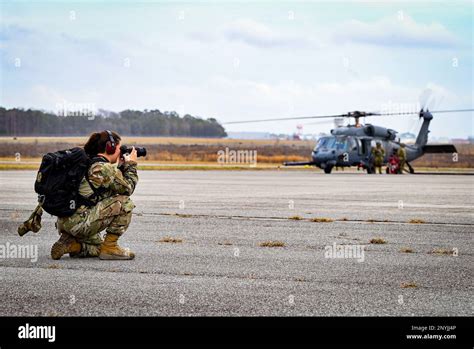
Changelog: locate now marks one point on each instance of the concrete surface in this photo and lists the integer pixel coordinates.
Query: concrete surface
(219, 267)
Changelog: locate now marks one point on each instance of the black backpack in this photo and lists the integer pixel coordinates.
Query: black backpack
(58, 180)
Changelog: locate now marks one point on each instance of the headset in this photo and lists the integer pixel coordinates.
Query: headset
(110, 145)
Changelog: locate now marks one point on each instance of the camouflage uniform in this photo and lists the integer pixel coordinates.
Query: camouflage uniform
(378, 154)
(402, 155)
(113, 212)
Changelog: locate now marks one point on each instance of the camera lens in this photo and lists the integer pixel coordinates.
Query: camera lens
(127, 150)
(141, 152)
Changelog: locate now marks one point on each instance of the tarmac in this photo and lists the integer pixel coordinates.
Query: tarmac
(217, 266)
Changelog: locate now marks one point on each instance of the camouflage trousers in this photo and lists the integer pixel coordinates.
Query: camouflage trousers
(402, 166)
(378, 162)
(112, 214)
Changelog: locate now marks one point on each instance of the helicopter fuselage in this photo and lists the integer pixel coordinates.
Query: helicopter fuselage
(346, 151)
(352, 146)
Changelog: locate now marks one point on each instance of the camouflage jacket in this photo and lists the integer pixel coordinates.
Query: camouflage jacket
(110, 180)
(378, 153)
(402, 154)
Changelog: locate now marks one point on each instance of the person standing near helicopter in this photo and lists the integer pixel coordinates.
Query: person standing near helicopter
(402, 155)
(378, 154)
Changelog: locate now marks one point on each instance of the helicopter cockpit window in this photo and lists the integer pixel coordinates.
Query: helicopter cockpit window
(341, 144)
(325, 142)
(338, 143)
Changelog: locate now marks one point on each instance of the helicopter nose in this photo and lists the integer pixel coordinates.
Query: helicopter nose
(323, 156)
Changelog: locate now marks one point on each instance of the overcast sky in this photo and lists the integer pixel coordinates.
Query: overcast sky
(243, 60)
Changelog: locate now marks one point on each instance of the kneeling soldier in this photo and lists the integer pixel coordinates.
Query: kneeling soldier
(106, 191)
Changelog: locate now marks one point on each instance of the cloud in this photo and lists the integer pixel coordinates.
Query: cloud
(14, 32)
(316, 97)
(80, 66)
(392, 31)
(260, 100)
(258, 34)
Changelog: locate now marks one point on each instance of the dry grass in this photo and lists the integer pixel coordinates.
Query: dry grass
(406, 250)
(321, 220)
(466, 159)
(171, 240)
(54, 266)
(199, 150)
(19, 166)
(182, 215)
(344, 219)
(172, 149)
(377, 241)
(295, 218)
(442, 251)
(160, 166)
(371, 220)
(272, 244)
(416, 221)
(408, 285)
(225, 243)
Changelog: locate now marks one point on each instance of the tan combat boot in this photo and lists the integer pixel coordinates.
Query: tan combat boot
(66, 244)
(111, 250)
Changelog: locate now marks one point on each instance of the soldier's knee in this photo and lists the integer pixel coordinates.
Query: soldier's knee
(122, 204)
(128, 205)
(115, 208)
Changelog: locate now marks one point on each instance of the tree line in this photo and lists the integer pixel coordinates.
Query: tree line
(20, 122)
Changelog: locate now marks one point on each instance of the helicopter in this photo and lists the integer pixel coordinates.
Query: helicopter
(352, 145)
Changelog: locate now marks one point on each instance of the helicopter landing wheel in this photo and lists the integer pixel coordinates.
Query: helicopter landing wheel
(328, 169)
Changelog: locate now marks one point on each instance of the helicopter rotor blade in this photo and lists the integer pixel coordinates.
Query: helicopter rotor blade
(433, 112)
(355, 114)
(425, 98)
(452, 111)
(284, 119)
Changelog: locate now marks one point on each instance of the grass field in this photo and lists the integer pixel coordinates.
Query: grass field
(200, 153)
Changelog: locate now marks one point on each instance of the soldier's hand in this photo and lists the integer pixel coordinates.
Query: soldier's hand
(131, 157)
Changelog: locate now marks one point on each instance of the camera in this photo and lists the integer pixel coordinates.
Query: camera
(127, 150)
